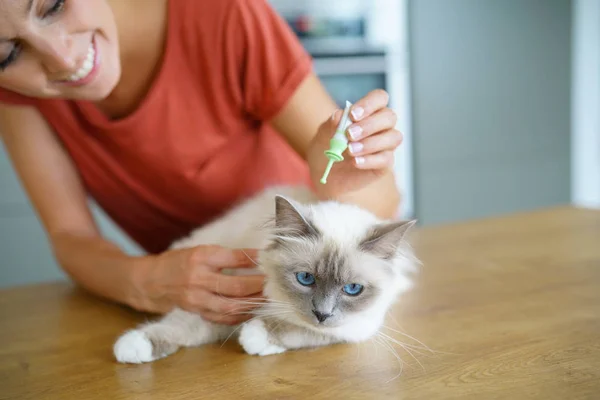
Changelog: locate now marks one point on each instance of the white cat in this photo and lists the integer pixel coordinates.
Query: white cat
(332, 271)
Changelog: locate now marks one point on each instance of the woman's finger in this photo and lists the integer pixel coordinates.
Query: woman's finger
(220, 257)
(382, 120)
(224, 319)
(388, 140)
(381, 160)
(370, 104)
(233, 285)
(198, 300)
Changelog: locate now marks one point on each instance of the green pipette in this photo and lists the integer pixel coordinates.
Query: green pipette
(338, 143)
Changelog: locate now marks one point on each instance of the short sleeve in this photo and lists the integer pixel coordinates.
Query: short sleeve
(12, 98)
(269, 59)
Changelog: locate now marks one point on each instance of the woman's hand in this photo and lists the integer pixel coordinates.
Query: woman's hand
(191, 279)
(373, 140)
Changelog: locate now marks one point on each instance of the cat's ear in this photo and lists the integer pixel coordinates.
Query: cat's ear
(384, 239)
(290, 221)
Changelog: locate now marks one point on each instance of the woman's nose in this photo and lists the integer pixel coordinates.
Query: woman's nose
(58, 57)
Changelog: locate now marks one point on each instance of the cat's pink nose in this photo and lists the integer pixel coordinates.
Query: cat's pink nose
(321, 316)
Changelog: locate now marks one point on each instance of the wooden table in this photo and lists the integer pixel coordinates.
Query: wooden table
(510, 308)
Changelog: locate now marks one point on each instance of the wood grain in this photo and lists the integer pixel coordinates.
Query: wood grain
(509, 306)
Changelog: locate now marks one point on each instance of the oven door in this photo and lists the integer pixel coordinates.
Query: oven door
(351, 77)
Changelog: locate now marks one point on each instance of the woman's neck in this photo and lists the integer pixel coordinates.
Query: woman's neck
(141, 47)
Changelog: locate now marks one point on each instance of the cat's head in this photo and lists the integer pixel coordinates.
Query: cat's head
(336, 265)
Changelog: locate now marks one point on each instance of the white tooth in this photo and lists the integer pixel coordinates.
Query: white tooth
(87, 66)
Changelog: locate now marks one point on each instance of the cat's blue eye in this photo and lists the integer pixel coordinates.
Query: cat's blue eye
(353, 289)
(305, 278)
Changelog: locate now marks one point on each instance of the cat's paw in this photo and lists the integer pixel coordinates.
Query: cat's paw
(254, 338)
(133, 347)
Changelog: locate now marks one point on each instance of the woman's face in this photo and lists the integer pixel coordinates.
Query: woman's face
(58, 48)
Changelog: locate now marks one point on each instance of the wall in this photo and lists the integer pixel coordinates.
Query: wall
(491, 106)
(389, 26)
(586, 104)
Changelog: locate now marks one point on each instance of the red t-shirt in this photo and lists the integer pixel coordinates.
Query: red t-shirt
(198, 142)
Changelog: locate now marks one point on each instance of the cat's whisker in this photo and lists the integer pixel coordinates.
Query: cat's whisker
(424, 346)
(279, 322)
(381, 341)
(279, 302)
(391, 315)
(402, 344)
(236, 329)
(265, 304)
(230, 313)
(417, 349)
(275, 314)
(399, 359)
(259, 307)
(252, 319)
(384, 342)
(258, 312)
(389, 339)
(255, 301)
(407, 347)
(268, 312)
(250, 258)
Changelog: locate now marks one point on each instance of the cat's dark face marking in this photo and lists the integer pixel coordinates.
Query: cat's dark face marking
(323, 301)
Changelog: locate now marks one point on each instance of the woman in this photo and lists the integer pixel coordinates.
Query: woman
(167, 113)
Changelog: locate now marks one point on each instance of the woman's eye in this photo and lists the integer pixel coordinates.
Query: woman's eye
(11, 58)
(305, 278)
(57, 7)
(353, 289)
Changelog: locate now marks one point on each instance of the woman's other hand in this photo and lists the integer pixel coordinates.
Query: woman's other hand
(192, 279)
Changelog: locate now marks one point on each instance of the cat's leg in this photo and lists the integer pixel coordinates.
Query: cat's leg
(256, 339)
(159, 339)
(260, 337)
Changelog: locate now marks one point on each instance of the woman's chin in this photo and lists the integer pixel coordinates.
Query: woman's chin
(99, 89)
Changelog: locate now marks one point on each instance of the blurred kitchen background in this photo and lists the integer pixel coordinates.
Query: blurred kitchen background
(498, 101)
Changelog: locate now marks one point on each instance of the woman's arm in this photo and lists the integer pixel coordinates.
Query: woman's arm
(55, 190)
(306, 122)
(187, 278)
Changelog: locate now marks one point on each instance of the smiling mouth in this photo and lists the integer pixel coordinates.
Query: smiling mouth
(87, 68)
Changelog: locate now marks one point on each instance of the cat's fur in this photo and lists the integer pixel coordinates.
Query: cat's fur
(338, 244)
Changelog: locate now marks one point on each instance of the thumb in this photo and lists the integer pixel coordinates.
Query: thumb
(334, 120)
(329, 126)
